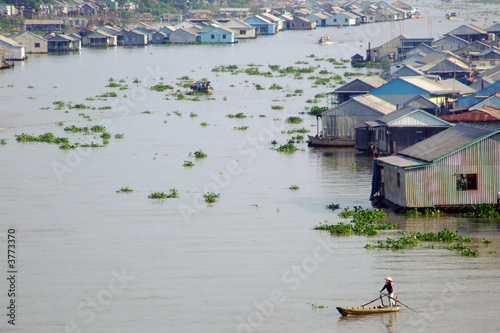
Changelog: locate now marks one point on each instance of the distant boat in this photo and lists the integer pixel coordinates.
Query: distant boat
(452, 16)
(319, 141)
(202, 87)
(361, 310)
(324, 40)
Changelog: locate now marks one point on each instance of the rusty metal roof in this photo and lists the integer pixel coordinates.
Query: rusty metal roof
(485, 113)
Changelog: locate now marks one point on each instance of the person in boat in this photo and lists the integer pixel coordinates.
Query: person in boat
(389, 286)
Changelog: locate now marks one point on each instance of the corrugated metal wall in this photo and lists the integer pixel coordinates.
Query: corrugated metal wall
(436, 185)
(343, 119)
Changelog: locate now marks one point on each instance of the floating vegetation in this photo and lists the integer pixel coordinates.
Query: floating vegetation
(413, 213)
(161, 87)
(259, 87)
(199, 154)
(320, 95)
(59, 105)
(293, 120)
(161, 195)
(136, 80)
(298, 91)
(204, 124)
(275, 86)
(481, 211)
(177, 113)
(3, 142)
(317, 110)
(119, 136)
(106, 136)
(125, 190)
(333, 206)
(105, 108)
(75, 129)
(47, 138)
(255, 71)
(193, 115)
(188, 164)
(294, 187)
(314, 306)
(239, 115)
(241, 128)
(277, 107)
(414, 238)
(369, 228)
(287, 148)
(211, 197)
(98, 128)
(297, 130)
(108, 94)
(223, 69)
(113, 85)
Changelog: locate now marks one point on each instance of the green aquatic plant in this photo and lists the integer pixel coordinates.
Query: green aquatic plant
(277, 107)
(200, 154)
(481, 211)
(162, 195)
(204, 124)
(317, 110)
(193, 114)
(287, 148)
(275, 86)
(211, 197)
(98, 129)
(188, 164)
(294, 187)
(161, 87)
(332, 206)
(125, 190)
(119, 136)
(413, 213)
(293, 120)
(241, 128)
(3, 142)
(239, 115)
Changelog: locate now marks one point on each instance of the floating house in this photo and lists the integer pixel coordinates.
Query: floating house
(300, 23)
(33, 43)
(183, 35)
(134, 38)
(358, 86)
(17, 50)
(99, 39)
(342, 120)
(458, 167)
(416, 85)
(450, 43)
(485, 116)
(63, 43)
(241, 29)
(262, 25)
(399, 130)
(215, 34)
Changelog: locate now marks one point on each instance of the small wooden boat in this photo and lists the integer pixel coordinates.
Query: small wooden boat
(324, 40)
(319, 141)
(361, 310)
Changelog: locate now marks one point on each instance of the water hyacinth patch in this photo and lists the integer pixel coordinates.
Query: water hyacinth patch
(293, 120)
(211, 197)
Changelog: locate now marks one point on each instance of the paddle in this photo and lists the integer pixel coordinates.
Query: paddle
(398, 301)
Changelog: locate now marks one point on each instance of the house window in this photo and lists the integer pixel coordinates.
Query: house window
(212, 36)
(398, 179)
(345, 20)
(37, 44)
(223, 36)
(466, 181)
(243, 32)
(334, 20)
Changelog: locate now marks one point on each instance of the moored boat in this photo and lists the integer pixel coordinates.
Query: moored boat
(319, 141)
(360, 310)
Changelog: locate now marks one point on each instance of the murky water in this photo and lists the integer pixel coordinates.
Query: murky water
(94, 260)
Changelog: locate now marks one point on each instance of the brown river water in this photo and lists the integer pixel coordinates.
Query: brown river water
(89, 259)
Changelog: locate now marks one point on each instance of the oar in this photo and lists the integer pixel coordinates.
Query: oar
(372, 301)
(398, 301)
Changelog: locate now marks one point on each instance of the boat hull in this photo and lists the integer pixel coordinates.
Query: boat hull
(323, 142)
(361, 310)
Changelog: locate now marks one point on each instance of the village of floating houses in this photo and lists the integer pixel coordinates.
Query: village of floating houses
(431, 118)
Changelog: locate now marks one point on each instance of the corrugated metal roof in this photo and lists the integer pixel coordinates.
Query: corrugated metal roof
(422, 82)
(402, 161)
(458, 86)
(361, 84)
(447, 142)
(421, 102)
(409, 116)
(493, 100)
(468, 29)
(475, 116)
(375, 103)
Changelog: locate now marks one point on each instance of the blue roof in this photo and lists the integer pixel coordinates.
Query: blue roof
(479, 95)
